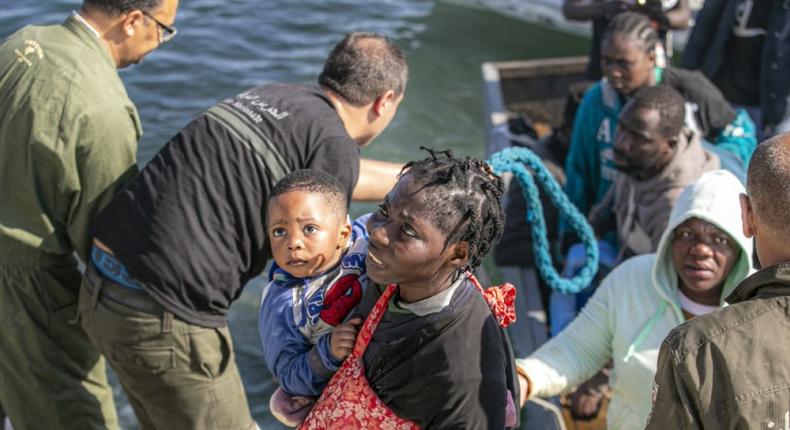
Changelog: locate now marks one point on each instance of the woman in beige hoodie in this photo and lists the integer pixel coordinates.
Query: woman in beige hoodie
(701, 257)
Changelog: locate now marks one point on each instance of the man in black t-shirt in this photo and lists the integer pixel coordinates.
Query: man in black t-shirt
(174, 249)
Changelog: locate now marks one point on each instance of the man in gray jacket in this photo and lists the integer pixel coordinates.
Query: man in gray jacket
(730, 369)
(656, 158)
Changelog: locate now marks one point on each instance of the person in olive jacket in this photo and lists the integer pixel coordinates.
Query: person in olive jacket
(68, 141)
(730, 368)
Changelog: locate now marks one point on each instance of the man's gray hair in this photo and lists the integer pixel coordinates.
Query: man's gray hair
(768, 183)
(363, 66)
(117, 7)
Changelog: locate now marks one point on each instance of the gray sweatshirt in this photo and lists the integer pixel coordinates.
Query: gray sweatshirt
(642, 207)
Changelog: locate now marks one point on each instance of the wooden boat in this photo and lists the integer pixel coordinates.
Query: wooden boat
(538, 88)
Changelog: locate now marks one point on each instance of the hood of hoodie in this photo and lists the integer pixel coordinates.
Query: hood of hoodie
(713, 198)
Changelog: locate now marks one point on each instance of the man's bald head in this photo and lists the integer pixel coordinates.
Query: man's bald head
(768, 184)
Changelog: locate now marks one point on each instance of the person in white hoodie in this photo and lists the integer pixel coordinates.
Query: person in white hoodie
(701, 257)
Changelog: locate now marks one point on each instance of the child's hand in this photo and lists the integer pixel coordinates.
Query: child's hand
(343, 337)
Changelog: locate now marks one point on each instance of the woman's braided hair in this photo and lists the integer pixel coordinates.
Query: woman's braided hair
(462, 200)
(635, 26)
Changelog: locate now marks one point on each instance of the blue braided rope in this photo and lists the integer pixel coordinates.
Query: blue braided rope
(514, 160)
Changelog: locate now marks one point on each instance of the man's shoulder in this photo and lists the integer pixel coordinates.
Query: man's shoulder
(290, 108)
(693, 85)
(719, 327)
(285, 93)
(56, 64)
(674, 74)
(599, 102)
(67, 83)
(36, 32)
(279, 88)
(593, 97)
(55, 47)
(733, 362)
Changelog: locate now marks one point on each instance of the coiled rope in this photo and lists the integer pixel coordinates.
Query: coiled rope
(516, 160)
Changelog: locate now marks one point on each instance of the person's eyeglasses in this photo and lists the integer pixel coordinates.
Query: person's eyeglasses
(168, 32)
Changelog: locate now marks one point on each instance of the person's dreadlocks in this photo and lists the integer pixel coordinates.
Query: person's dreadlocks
(464, 200)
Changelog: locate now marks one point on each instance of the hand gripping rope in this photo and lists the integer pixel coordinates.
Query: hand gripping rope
(514, 160)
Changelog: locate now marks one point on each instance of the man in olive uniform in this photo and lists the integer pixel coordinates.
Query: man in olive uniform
(68, 138)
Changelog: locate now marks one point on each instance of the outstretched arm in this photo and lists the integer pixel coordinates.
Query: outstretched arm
(376, 179)
(575, 354)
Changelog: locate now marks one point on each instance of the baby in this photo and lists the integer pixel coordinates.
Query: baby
(317, 278)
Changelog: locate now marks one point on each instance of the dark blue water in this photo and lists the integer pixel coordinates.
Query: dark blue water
(224, 47)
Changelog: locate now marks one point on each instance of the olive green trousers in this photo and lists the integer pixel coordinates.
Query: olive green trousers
(51, 375)
(176, 375)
